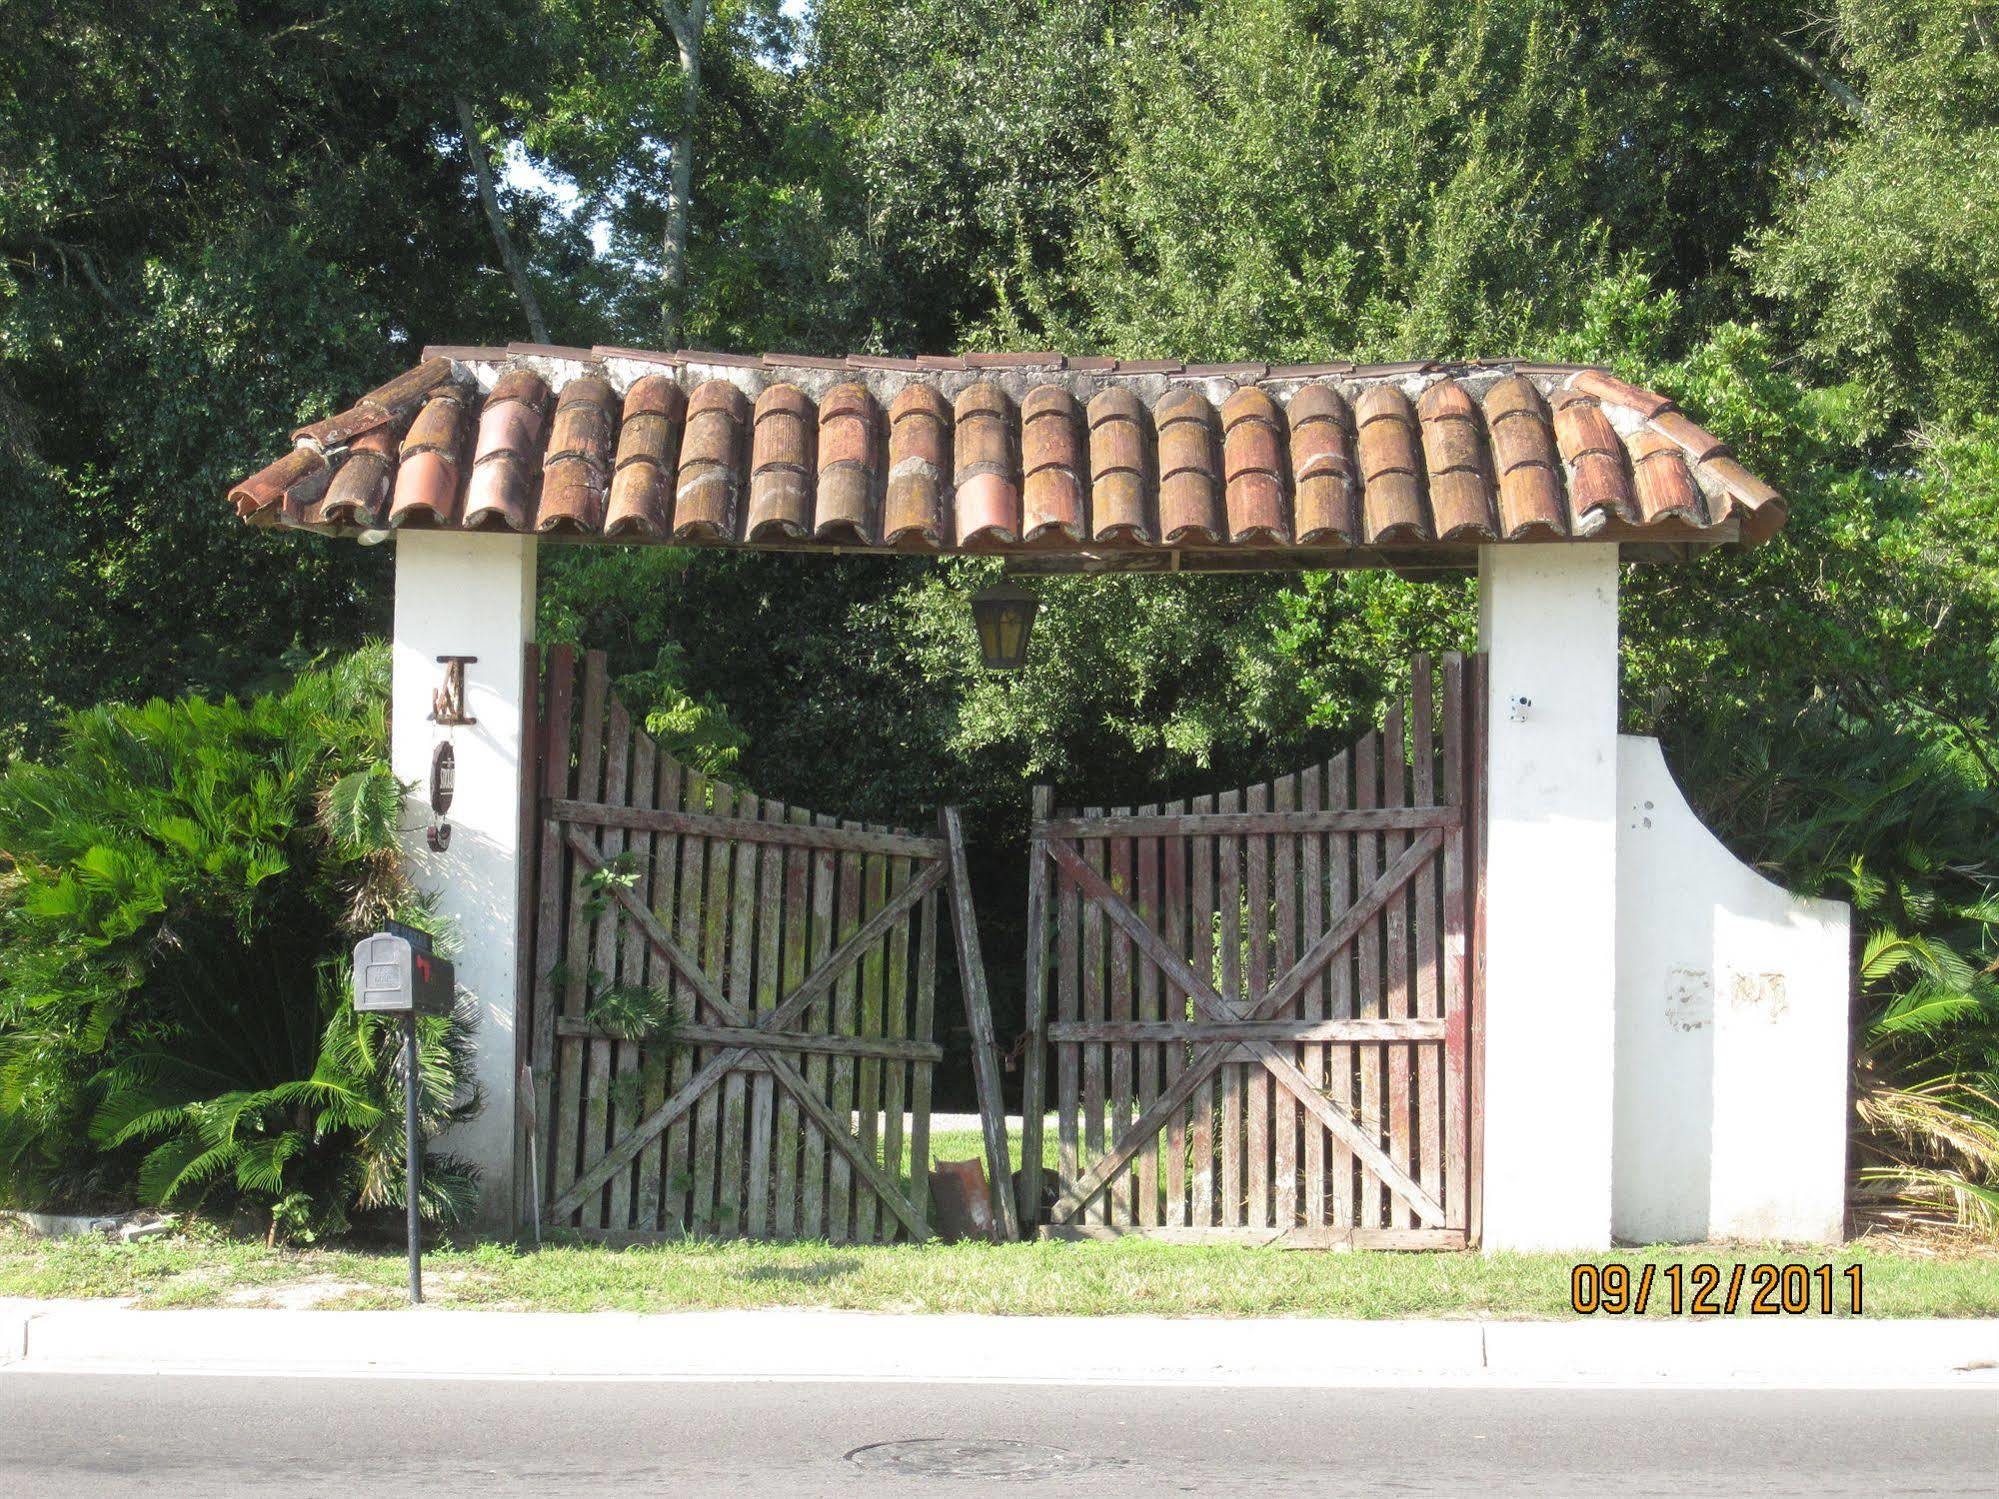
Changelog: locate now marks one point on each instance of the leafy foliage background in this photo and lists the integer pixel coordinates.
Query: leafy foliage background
(228, 220)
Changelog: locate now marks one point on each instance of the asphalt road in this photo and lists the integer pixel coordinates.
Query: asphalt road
(64, 1435)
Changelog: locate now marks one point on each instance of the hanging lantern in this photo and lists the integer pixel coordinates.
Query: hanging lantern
(1004, 617)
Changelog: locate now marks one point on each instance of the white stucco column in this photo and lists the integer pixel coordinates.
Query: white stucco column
(1548, 623)
(469, 594)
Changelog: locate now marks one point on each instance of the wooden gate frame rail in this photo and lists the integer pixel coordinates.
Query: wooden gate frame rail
(985, 1046)
(754, 1045)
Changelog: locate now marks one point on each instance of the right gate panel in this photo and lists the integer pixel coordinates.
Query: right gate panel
(1253, 1012)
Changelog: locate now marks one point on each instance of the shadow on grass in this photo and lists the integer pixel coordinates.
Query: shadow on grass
(819, 1273)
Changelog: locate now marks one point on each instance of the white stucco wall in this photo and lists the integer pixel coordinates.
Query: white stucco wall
(471, 595)
(1731, 1033)
(1548, 621)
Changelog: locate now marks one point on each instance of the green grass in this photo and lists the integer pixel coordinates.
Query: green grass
(1103, 1279)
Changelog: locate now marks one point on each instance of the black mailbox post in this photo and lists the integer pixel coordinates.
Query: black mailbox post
(395, 973)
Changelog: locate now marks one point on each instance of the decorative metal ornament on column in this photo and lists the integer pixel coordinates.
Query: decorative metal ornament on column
(1004, 617)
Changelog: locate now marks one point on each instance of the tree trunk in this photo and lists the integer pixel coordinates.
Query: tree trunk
(510, 260)
(687, 34)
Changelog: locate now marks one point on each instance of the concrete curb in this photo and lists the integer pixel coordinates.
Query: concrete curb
(873, 1347)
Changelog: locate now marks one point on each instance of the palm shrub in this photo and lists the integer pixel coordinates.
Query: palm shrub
(183, 883)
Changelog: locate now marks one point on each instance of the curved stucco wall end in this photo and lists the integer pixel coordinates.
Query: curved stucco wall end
(1731, 1071)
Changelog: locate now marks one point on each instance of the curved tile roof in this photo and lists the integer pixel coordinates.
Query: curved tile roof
(1068, 462)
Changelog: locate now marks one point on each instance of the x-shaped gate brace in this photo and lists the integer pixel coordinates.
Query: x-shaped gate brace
(753, 1045)
(1235, 1044)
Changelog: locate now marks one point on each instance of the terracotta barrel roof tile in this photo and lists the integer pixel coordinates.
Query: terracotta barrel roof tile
(1053, 465)
(1523, 451)
(506, 463)
(1253, 463)
(1454, 454)
(998, 452)
(393, 402)
(919, 455)
(987, 475)
(1118, 467)
(1322, 458)
(849, 424)
(431, 464)
(1190, 507)
(576, 474)
(359, 492)
(1392, 507)
(648, 455)
(711, 464)
(1665, 490)
(1599, 488)
(268, 486)
(782, 457)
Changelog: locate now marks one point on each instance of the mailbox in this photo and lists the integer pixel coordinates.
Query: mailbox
(394, 975)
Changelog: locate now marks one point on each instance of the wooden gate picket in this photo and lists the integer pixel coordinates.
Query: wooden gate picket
(781, 967)
(1264, 1000)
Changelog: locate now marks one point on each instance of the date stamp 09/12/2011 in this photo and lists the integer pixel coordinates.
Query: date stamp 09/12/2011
(1763, 1290)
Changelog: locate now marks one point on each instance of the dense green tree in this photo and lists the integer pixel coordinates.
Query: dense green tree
(217, 222)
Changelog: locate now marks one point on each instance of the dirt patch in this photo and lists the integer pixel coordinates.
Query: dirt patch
(299, 1296)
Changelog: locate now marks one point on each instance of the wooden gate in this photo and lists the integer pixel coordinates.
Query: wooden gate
(732, 998)
(1264, 1001)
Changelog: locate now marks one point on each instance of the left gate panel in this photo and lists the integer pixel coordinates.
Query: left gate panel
(733, 998)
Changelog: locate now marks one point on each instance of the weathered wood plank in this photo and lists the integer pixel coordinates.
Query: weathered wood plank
(1146, 1080)
(1312, 1001)
(1240, 824)
(1093, 1009)
(763, 1104)
(1396, 995)
(922, 1026)
(730, 1184)
(679, 1139)
(1173, 1006)
(1034, 1005)
(1229, 904)
(812, 1221)
(1367, 791)
(879, 1048)
(1256, 1165)
(868, 1213)
(1339, 993)
(895, 1034)
(985, 1045)
(1293, 1029)
(714, 953)
(632, 969)
(662, 898)
(1117, 1006)
(552, 887)
(838, 837)
(1451, 733)
(1201, 919)
(569, 1102)
(1427, 1163)
(1285, 1114)
(1068, 1059)
(787, 1141)
(840, 1094)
